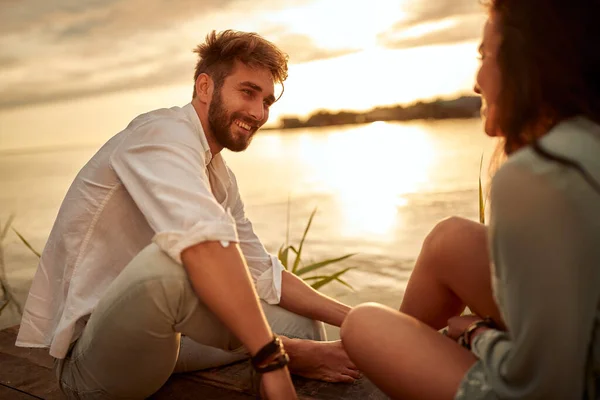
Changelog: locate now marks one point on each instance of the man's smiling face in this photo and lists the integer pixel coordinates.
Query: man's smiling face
(241, 106)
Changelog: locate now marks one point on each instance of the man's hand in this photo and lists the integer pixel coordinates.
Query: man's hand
(326, 361)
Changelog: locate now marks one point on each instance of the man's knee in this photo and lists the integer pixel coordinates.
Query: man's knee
(286, 323)
(153, 263)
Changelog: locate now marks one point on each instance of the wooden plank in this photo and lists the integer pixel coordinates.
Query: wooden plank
(23, 375)
(191, 387)
(38, 357)
(12, 394)
(31, 370)
(236, 377)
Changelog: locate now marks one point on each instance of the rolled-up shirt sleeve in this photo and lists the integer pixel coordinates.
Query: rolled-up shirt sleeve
(266, 269)
(163, 168)
(545, 289)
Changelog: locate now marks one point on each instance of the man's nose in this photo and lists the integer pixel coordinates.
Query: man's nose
(257, 111)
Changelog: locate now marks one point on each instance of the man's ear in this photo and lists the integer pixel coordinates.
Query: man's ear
(204, 88)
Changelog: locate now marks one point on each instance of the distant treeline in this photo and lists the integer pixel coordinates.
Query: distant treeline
(462, 107)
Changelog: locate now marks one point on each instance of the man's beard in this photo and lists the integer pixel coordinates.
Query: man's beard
(220, 123)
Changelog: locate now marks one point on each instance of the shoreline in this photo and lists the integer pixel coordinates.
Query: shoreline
(463, 107)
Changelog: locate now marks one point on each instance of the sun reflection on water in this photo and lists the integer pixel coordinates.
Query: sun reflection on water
(368, 171)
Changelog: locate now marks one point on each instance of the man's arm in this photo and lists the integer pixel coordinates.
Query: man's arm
(312, 359)
(326, 361)
(300, 298)
(211, 268)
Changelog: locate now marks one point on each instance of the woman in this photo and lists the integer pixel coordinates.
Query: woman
(535, 332)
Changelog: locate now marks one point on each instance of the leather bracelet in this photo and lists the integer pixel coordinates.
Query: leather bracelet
(280, 361)
(268, 350)
(465, 339)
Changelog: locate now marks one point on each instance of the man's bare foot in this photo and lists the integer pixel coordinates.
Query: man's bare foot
(326, 361)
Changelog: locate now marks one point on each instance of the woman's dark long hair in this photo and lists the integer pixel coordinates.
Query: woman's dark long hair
(549, 61)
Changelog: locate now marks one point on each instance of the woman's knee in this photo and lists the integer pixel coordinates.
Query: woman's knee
(451, 238)
(359, 321)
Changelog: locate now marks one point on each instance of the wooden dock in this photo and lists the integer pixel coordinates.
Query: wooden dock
(27, 374)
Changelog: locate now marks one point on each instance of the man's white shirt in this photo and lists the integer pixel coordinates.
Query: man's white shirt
(156, 181)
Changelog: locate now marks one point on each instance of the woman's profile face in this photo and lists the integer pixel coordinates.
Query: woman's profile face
(487, 82)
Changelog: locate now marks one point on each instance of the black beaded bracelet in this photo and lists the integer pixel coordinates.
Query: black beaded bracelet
(268, 350)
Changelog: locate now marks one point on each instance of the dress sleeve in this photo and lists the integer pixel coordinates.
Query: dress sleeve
(162, 166)
(265, 269)
(544, 289)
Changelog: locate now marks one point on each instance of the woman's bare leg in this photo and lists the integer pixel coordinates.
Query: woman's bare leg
(402, 356)
(451, 272)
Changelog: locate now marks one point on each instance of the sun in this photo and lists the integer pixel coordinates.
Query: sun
(342, 25)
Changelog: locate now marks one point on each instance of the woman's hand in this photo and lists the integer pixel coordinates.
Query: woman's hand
(457, 325)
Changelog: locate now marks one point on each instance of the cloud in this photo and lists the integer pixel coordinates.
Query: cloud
(302, 48)
(440, 22)
(455, 30)
(420, 12)
(62, 49)
(86, 18)
(80, 83)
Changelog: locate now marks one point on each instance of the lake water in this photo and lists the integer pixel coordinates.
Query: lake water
(378, 189)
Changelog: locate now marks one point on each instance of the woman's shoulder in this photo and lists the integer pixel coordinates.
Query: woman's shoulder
(570, 148)
(565, 175)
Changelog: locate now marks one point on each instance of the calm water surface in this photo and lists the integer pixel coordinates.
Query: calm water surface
(378, 189)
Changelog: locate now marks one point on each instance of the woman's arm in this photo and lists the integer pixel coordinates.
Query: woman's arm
(544, 287)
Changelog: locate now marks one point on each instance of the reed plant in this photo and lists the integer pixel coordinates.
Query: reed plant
(293, 263)
(7, 297)
(482, 201)
(7, 294)
(297, 266)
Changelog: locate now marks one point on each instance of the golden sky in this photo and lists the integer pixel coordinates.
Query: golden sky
(84, 56)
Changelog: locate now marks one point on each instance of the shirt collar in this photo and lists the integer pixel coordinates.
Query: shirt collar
(219, 163)
(192, 115)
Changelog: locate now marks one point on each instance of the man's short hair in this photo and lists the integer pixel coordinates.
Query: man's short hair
(218, 54)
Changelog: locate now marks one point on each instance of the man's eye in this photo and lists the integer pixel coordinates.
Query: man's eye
(247, 91)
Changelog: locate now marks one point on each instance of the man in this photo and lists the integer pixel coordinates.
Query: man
(152, 242)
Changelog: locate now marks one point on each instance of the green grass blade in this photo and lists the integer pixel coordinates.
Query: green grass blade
(29, 246)
(330, 278)
(322, 264)
(287, 230)
(3, 305)
(9, 298)
(6, 227)
(283, 256)
(481, 203)
(343, 282)
(297, 261)
(314, 278)
(6, 296)
(293, 249)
